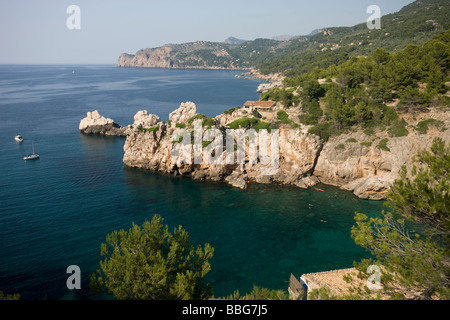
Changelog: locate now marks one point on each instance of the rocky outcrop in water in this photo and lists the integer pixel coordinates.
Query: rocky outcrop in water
(94, 123)
(365, 165)
(154, 150)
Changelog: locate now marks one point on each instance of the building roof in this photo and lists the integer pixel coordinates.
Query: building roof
(260, 104)
(332, 280)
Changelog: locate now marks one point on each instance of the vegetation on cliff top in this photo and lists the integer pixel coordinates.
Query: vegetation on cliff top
(370, 92)
(416, 23)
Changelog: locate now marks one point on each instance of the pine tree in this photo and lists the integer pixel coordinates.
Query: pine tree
(415, 264)
(150, 263)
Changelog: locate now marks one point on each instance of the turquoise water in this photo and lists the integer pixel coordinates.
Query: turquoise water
(56, 211)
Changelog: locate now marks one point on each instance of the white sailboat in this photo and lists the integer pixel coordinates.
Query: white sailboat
(18, 138)
(32, 156)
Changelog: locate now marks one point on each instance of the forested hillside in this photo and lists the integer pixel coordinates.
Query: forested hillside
(371, 91)
(415, 24)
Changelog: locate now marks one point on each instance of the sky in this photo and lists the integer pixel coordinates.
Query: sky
(36, 31)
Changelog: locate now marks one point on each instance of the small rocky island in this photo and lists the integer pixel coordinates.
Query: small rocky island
(304, 159)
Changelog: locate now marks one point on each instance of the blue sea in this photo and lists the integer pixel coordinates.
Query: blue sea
(56, 211)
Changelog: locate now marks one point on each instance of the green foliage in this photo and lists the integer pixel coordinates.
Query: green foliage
(286, 96)
(426, 197)
(256, 114)
(180, 125)
(411, 99)
(312, 112)
(323, 130)
(230, 111)
(206, 143)
(283, 117)
(383, 145)
(152, 129)
(149, 262)
(249, 123)
(369, 131)
(413, 267)
(180, 139)
(367, 144)
(311, 89)
(423, 126)
(398, 128)
(206, 122)
(3, 296)
(344, 116)
(362, 85)
(261, 294)
(352, 140)
(340, 147)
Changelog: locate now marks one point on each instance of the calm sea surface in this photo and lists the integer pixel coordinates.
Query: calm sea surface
(56, 211)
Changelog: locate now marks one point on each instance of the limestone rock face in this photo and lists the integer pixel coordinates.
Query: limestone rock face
(94, 119)
(369, 171)
(264, 87)
(292, 161)
(148, 58)
(94, 123)
(186, 111)
(354, 161)
(145, 120)
(237, 180)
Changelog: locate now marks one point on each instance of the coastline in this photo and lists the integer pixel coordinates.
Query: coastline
(305, 160)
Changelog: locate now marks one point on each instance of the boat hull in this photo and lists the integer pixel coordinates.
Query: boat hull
(33, 157)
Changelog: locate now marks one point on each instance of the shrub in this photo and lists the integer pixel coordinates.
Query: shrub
(149, 262)
(367, 144)
(283, 117)
(206, 122)
(180, 125)
(422, 126)
(398, 128)
(352, 140)
(152, 129)
(369, 131)
(323, 130)
(249, 123)
(256, 114)
(340, 147)
(177, 141)
(312, 112)
(230, 111)
(383, 145)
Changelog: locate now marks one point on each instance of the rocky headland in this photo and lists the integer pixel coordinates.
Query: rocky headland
(366, 165)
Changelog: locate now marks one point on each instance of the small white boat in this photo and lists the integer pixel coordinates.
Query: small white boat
(32, 156)
(18, 138)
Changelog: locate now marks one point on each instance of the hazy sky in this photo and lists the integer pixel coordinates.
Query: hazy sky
(35, 31)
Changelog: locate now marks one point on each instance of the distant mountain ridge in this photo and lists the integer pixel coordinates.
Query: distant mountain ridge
(233, 40)
(415, 23)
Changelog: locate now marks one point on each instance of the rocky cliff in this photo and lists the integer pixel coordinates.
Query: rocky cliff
(199, 55)
(154, 150)
(94, 123)
(366, 165)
